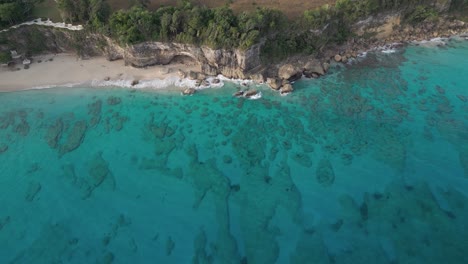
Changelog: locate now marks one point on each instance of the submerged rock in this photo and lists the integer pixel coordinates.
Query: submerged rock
(4, 221)
(54, 133)
(3, 148)
(463, 157)
(98, 172)
(462, 98)
(74, 139)
(94, 110)
(170, 245)
(114, 100)
(324, 174)
(50, 245)
(7, 119)
(302, 159)
(22, 128)
(33, 189)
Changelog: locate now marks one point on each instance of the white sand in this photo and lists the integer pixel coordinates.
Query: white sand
(66, 69)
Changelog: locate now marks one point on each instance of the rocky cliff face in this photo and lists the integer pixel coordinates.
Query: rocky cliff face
(39, 39)
(32, 40)
(230, 63)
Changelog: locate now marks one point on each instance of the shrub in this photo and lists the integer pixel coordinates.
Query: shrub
(421, 13)
(5, 56)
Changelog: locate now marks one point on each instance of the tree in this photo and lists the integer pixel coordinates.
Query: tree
(99, 12)
(74, 10)
(10, 12)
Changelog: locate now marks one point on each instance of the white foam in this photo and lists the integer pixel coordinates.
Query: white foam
(48, 23)
(256, 96)
(434, 42)
(389, 51)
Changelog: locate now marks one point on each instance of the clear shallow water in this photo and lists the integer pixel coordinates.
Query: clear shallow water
(366, 165)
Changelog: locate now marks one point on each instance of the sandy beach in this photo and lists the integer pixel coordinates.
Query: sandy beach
(67, 70)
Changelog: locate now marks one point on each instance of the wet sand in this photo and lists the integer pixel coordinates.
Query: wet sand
(67, 69)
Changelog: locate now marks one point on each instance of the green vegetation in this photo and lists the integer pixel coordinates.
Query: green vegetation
(217, 28)
(96, 12)
(421, 13)
(221, 27)
(5, 56)
(15, 11)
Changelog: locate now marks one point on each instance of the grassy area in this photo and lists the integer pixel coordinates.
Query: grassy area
(47, 9)
(291, 8)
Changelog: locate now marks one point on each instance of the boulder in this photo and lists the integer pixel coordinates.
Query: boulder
(189, 91)
(216, 80)
(201, 76)
(289, 72)
(313, 67)
(192, 75)
(181, 74)
(250, 93)
(274, 83)
(344, 59)
(287, 88)
(258, 78)
(337, 57)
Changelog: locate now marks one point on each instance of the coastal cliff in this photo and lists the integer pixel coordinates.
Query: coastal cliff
(232, 63)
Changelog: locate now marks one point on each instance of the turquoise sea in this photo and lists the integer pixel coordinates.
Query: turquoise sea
(366, 165)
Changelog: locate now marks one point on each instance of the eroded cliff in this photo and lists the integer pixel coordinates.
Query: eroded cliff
(31, 40)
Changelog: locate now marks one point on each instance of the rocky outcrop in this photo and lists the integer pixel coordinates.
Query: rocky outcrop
(314, 69)
(231, 63)
(274, 83)
(287, 88)
(289, 72)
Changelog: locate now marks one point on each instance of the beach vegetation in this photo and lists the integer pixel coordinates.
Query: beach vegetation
(421, 13)
(5, 57)
(93, 12)
(15, 11)
(186, 23)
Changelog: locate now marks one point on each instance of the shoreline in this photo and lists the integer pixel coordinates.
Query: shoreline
(67, 70)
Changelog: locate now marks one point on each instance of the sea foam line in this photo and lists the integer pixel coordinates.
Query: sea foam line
(48, 23)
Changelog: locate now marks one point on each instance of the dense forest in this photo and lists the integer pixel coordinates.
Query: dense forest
(14, 11)
(222, 28)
